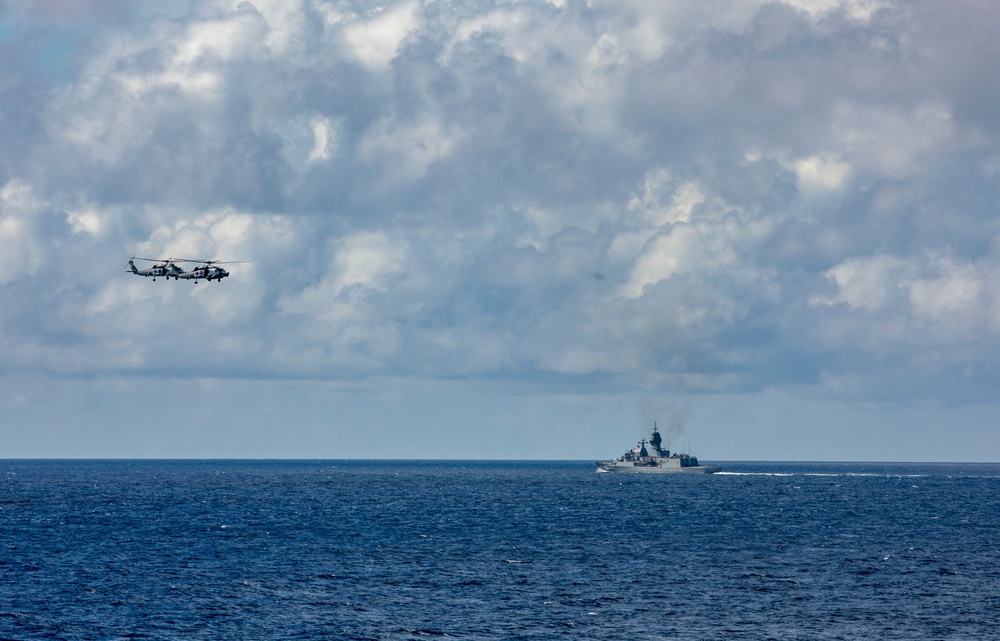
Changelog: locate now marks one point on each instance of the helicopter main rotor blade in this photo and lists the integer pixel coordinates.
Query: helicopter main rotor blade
(209, 262)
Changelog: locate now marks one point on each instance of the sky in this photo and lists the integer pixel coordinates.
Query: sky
(501, 230)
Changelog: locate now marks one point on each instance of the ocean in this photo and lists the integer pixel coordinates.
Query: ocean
(496, 550)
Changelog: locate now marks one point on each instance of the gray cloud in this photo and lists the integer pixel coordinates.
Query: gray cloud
(774, 194)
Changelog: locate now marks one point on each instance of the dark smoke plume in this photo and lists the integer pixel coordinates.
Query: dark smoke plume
(671, 420)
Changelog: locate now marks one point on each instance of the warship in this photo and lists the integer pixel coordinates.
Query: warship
(655, 460)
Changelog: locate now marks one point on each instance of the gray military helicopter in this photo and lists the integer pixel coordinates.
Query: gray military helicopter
(209, 270)
(168, 268)
(165, 267)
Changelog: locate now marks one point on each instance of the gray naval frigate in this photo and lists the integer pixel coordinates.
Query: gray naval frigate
(655, 460)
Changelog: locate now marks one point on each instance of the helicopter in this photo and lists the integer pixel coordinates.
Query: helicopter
(165, 267)
(207, 270)
(168, 268)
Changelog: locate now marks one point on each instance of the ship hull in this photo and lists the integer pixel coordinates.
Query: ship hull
(657, 469)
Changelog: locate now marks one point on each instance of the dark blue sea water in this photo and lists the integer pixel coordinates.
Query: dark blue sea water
(496, 550)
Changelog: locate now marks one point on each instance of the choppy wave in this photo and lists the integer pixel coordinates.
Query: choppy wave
(490, 551)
